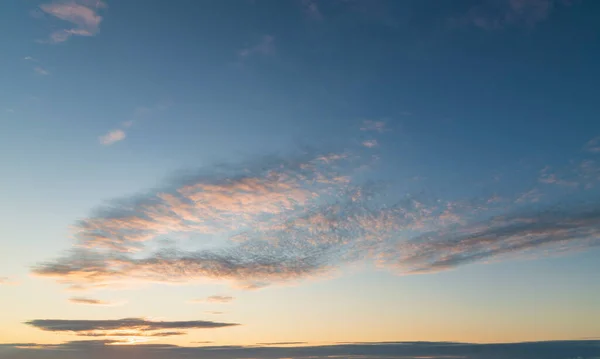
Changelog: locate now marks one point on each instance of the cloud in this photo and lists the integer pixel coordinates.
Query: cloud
(265, 46)
(83, 14)
(283, 219)
(593, 145)
(214, 312)
(370, 143)
(122, 328)
(112, 137)
(312, 10)
(98, 349)
(4, 280)
(89, 301)
(556, 229)
(214, 299)
(139, 114)
(495, 15)
(41, 71)
(377, 126)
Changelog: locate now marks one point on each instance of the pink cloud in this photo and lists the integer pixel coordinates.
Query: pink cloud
(370, 143)
(83, 14)
(112, 137)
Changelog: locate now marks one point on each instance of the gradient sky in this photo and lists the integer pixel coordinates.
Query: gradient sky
(247, 172)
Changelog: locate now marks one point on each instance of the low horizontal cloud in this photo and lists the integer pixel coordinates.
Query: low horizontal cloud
(123, 328)
(90, 301)
(82, 14)
(99, 349)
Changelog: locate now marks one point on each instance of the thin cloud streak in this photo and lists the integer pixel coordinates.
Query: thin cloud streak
(41, 71)
(90, 301)
(214, 299)
(497, 15)
(265, 46)
(123, 328)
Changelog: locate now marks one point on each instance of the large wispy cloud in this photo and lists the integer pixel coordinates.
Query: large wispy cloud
(83, 15)
(284, 219)
(98, 349)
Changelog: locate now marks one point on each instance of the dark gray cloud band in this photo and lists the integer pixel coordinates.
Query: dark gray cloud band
(411, 350)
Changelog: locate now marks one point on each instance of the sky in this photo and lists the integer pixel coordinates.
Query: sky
(300, 178)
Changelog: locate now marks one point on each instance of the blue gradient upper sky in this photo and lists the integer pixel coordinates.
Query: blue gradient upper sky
(474, 122)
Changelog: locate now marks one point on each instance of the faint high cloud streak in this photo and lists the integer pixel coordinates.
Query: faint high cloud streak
(41, 71)
(495, 15)
(377, 126)
(90, 301)
(123, 327)
(311, 8)
(83, 14)
(214, 299)
(112, 137)
(265, 46)
(593, 145)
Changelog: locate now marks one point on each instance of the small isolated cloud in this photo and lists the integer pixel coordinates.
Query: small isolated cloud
(377, 126)
(593, 145)
(112, 137)
(495, 15)
(214, 299)
(265, 46)
(370, 143)
(89, 301)
(214, 312)
(81, 14)
(139, 114)
(123, 327)
(312, 10)
(41, 71)
(4, 280)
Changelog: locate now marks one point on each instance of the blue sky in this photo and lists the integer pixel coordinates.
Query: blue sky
(433, 164)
